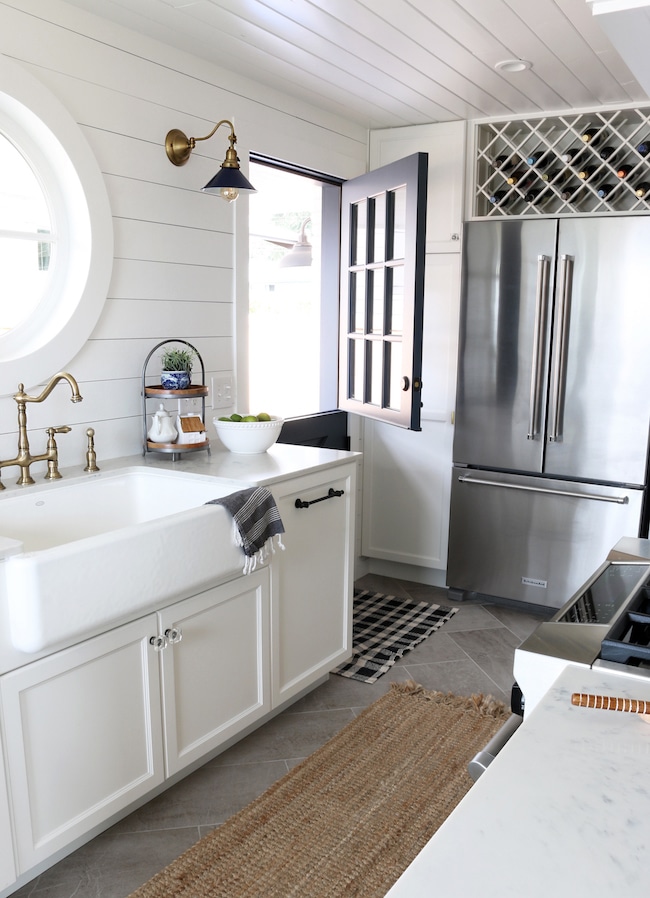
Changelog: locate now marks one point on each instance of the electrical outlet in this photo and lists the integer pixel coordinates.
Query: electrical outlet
(222, 391)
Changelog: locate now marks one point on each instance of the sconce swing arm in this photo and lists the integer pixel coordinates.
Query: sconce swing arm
(179, 146)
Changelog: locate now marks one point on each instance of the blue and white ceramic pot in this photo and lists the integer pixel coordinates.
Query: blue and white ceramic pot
(175, 380)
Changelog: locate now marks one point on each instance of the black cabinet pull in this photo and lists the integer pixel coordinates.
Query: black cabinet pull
(331, 493)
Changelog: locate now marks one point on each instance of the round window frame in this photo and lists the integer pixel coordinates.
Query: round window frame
(38, 124)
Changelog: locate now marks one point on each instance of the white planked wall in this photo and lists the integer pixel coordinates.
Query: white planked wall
(174, 272)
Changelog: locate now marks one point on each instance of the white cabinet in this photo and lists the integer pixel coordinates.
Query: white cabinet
(445, 143)
(87, 733)
(407, 474)
(94, 728)
(82, 730)
(311, 591)
(7, 865)
(216, 680)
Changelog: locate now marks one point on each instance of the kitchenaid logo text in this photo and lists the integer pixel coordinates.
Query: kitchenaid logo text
(531, 581)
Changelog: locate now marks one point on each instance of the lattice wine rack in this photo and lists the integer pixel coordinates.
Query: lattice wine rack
(578, 163)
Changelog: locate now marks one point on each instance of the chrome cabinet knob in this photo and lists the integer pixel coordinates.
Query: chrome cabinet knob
(158, 642)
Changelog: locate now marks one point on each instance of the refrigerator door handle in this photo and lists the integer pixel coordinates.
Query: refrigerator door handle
(539, 343)
(619, 500)
(561, 346)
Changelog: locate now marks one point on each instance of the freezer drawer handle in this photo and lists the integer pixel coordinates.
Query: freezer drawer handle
(539, 343)
(619, 500)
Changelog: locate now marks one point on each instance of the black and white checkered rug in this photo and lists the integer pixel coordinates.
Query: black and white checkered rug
(384, 629)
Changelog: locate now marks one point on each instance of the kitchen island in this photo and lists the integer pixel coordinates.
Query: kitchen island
(564, 809)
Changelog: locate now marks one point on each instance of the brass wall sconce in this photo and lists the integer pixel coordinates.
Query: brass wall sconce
(229, 181)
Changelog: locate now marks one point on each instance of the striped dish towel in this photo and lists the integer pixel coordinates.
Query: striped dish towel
(256, 521)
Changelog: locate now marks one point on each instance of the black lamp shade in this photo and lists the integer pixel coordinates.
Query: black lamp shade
(231, 179)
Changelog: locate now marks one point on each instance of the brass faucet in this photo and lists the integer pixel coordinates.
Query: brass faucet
(24, 458)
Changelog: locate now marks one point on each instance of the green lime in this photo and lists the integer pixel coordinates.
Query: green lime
(249, 418)
(223, 418)
(235, 417)
(263, 417)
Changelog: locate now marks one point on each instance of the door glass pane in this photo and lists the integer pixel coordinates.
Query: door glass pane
(379, 228)
(399, 223)
(359, 233)
(356, 369)
(378, 303)
(376, 385)
(358, 301)
(394, 375)
(396, 294)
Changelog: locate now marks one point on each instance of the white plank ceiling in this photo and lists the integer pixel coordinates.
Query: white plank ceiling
(387, 63)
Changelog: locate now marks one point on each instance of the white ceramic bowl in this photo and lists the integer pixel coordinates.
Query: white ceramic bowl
(248, 437)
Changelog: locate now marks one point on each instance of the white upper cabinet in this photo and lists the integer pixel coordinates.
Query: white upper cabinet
(445, 143)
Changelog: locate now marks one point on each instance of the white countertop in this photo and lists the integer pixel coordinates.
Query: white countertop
(282, 460)
(562, 812)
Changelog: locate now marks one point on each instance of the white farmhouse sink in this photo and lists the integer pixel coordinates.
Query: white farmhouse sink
(93, 551)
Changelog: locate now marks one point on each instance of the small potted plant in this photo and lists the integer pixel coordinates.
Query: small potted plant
(176, 371)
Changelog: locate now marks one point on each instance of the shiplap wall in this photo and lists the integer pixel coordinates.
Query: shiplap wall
(174, 272)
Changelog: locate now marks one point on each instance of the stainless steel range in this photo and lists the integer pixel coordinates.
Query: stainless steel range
(606, 624)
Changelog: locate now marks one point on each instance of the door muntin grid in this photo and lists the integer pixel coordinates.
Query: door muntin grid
(385, 231)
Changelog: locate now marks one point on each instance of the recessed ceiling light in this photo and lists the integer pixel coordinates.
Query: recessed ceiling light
(513, 65)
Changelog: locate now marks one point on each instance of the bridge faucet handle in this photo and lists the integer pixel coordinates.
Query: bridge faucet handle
(53, 453)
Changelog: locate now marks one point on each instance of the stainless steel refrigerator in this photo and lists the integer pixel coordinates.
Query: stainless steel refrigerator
(553, 403)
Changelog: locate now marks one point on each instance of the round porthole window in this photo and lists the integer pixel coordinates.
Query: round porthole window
(27, 239)
(56, 237)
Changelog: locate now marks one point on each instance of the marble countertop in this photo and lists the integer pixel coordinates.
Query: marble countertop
(563, 811)
(281, 461)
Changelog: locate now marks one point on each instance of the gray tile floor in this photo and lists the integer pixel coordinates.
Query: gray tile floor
(473, 652)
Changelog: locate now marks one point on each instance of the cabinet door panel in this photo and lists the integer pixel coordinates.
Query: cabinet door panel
(216, 680)
(312, 589)
(82, 733)
(445, 144)
(7, 866)
(407, 476)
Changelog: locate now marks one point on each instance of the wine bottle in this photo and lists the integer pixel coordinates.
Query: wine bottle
(551, 175)
(504, 162)
(569, 191)
(643, 189)
(534, 158)
(521, 178)
(590, 135)
(499, 198)
(606, 152)
(586, 173)
(569, 155)
(532, 195)
(643, 148)
(604, 190)
(624, 171)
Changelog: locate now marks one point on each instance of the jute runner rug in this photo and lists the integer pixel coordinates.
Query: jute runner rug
(349, 819)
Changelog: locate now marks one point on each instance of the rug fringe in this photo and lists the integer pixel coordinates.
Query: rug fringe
(485, 705)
